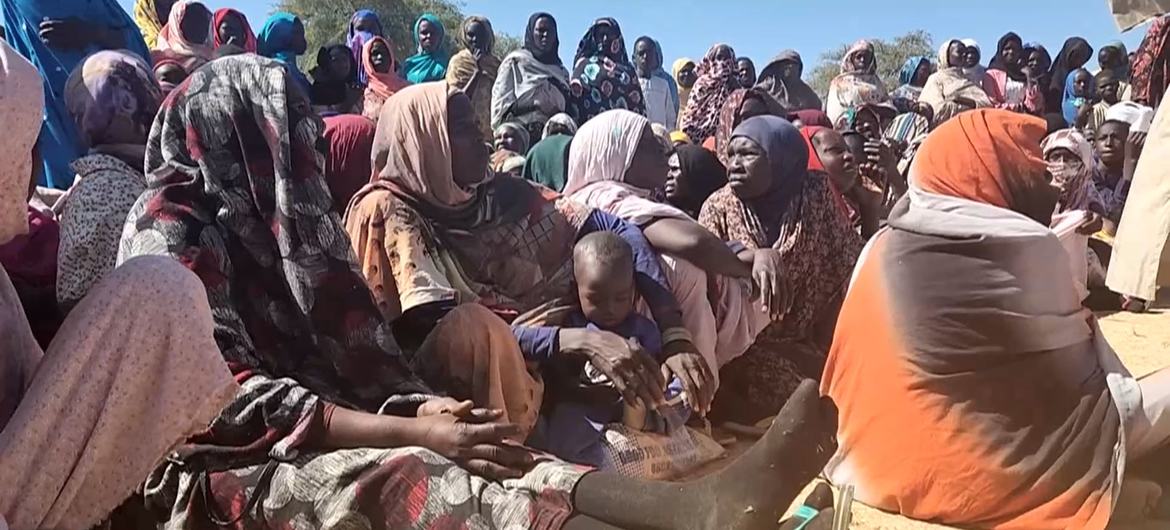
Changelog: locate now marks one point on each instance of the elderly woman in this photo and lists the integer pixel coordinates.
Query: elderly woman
(963, 343)
(113, 98)
(603, 76)
(532, 84)
(717, 79)
(949, 91)
(511, 142)
(858, 83)
(474, 69)
(776, 206)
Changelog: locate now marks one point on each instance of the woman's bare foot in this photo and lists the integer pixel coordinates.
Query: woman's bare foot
(755, 490)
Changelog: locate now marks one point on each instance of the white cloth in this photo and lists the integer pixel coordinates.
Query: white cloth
(660, 106)
(1138, 116)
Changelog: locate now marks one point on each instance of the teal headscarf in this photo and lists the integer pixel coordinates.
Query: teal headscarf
(424, 67)
(276, 41)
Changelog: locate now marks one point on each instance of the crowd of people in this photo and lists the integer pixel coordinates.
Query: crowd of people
(446, 290)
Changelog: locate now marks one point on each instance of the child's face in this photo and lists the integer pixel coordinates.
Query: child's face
(606, 294)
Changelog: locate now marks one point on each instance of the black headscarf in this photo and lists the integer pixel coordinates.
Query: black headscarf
(552, 56)
(1074, 54)
(997, 61)
(704, 175)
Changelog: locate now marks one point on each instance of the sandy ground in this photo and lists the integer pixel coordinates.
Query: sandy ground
(1142, 341)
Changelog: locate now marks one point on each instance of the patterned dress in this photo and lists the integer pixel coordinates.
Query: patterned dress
(603, 79)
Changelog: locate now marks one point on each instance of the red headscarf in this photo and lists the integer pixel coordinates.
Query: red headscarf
(815, 164)
(1151, 66)
(990, 156)
(249, 44)
(809, 117)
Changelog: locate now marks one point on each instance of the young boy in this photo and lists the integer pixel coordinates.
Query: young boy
(603, 270)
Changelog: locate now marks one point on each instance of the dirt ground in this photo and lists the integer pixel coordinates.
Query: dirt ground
(1142, 341)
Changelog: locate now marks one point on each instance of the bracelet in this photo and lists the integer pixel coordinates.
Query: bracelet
(676, 333)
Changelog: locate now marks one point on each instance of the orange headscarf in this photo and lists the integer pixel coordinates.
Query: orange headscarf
(387, 84)
(990, 156)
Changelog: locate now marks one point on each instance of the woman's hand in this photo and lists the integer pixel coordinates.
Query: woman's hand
(697, 380)
(476, 444)
(631, 369)
(768, 281)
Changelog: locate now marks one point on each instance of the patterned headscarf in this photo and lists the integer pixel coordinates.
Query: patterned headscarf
(250, 43)
(1150, 71)
(858, 47)
(717, 79)
(1075, 181)
(172, 39)
(729, 115)
(111, 89)
(603, 79)
(146, 17)
(906, 75)
(22, 100)
(236, 193)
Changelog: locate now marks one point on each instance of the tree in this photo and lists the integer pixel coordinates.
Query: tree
(891, 55)
(326, 22)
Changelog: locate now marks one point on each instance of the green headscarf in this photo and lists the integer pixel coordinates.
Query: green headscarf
(424, 67)
(548, 161)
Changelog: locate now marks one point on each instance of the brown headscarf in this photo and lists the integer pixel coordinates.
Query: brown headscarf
(730, 116)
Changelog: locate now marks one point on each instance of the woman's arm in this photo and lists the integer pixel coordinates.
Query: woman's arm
(690, 241)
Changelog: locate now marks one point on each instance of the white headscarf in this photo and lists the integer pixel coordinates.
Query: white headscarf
(22, 102)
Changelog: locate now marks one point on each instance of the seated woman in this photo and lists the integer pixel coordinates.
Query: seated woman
(511, 142)
(858, 83)
(132, 370)
(912, 77)
(831, 153)
(316, 362)
(949, 91)
(430, 234)
(695, 173)
(1079, 209)
(781, 78)
(1080, 90)
(741, 104)
(615, 163)
(335, 88)
(113, 98)
(773, 202)
(974, 388)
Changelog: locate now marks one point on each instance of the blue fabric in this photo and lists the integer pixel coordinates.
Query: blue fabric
(358, 39)
(1070, 102)
(537, 343)
(661, 71)
(276, 41)
(911, 66)
(58, 141)
(425, 67)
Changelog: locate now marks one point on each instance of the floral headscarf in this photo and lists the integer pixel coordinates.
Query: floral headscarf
(858, 47)
(111, 89)
(603, 79)
(1150, 71)
(717, 79)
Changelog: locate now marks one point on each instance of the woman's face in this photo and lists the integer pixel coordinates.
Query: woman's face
(746, 71)
(921, 74)
(1035, 62)
(648, 167)
(687, 76)
(1082, 81)
(749, 173)
(837, 158)
(724, 53)
(646, 58)
(508, 138)
(1012, 53)
(544, 34)
(231, 30)
(197, 23)
(956, 54)
(971, 56)
(428, 36)
(340, 63)
(1110, 143)
(790, 70)
(469, 153)
(477, 37)
(380, 57)
(299, 44)
(861, 60)
(1062, 156)
(676, 188)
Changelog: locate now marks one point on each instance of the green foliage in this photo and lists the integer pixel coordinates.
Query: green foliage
(890, 54)
(326, 23)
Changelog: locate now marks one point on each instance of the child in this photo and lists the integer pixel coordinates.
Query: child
(603, 269)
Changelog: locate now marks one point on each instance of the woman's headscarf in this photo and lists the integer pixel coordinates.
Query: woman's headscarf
(1150, 72)
(811, 117)
(250, 43)
(276, 41)
(717, 79)
(852, 89)
(560, 123)
(858, 47)
(603, 79)
(679, 137)
(172, 39)
(1074, 54)
(944, 54)
(997, 61)
(526, 140)
(552, 56)
(910, 67)
(383, 85)
(547, 162)
(111, 89)
(794, 94)
(464, 66)
(146, 18)
(22, 100)
(356, 40)
(235, 192)
(347, 166)
(788, 158)
(990, 156)
(1121, 72)
(703, 172)
(1075, 181)
(425, 66)
(1068, 107)
(678, 66)
(729, 115)
(974, 73)
(599, 156)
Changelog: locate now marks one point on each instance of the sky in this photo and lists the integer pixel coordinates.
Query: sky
(761, 28)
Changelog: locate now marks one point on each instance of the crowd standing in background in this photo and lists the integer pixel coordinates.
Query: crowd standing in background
(459, 289)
